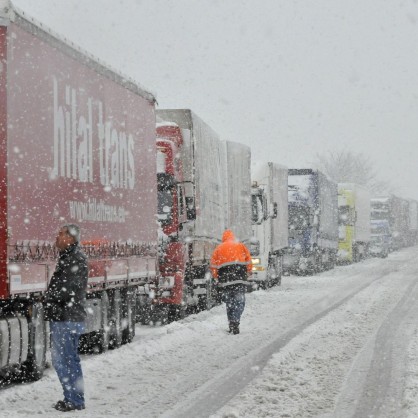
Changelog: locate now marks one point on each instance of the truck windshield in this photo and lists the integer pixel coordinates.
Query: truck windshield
(376, 238)
(378, 214)
(379, 210)
(257, 208)
(165, 206)
(378, 229)
(344, 215)
(298, 217)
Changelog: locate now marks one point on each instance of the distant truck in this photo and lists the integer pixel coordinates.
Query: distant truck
(203, 187)
(313, 222)
(381, 238)
(77, 145)
(413, 222)
(353, 222)
(269, 223)
(395, 211)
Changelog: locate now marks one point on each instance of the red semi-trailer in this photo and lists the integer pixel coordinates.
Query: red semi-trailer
(77, 145)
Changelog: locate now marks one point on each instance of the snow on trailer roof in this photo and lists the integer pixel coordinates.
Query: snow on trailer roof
(9, 12)
(259, 169)
(352, 186)
(161, 122)
(384, 199)
(347, 186)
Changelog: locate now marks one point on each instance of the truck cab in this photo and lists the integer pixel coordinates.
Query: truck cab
(353, 222)
(269, 222)
(300, 253)
(381, 219)
(380, 238)
(313, 222)
(164, 299)
(263, 274)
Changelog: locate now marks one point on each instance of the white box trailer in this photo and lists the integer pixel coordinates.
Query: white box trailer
(238, 190)
(269, 222)
(413, 222)
(203, 168)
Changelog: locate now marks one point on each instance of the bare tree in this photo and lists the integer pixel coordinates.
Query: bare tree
(348, 167)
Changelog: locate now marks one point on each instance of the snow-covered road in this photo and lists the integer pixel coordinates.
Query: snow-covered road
(340, 344)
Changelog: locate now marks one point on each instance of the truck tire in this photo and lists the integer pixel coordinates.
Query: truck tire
(103, 335)
(279, 270)
(33, 367)
(356, 258)
(129, 315)
(177, 312)
(144, 317)
(116, 320)
(181, 312)
(318, 264)
(142, 309)
(275, 267)
(205, 302)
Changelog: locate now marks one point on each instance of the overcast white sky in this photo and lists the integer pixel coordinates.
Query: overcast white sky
(290, 78)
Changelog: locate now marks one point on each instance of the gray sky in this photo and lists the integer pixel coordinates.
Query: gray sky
(290, 78)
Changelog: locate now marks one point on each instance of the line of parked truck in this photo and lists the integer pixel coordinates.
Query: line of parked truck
(153, 191)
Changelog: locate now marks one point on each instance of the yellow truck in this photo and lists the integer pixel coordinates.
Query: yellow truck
(353, 222)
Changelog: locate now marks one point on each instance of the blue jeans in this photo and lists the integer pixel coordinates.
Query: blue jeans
(65, 359)
(235, 303)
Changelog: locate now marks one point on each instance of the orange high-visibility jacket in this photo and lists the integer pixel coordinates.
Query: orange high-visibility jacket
(229, 252)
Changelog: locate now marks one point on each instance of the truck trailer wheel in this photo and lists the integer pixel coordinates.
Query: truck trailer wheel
(145, 316)
(177, 312)
(116, 320)
(279, 271)
(33, 367)
(205, 302)
(103, 335)
(129, 315)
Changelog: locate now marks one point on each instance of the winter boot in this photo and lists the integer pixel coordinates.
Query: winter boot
(234, 327)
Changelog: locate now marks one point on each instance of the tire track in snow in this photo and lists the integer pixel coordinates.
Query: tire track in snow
(213, 395)
(383, 389)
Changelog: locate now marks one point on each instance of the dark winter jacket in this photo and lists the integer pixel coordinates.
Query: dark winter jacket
(66, 294)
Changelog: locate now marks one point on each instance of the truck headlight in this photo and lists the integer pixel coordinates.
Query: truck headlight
(255, 260)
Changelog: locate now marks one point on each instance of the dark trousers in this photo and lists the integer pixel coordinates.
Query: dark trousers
(65, 359)
(233, 294)
(234, 298)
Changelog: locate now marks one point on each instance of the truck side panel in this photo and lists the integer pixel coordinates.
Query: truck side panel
(278, 186)
(210, 196)
(362, 207)
(238, 189)
(203, 164)
(81, 149)
(328, 212)
(413, 215)
(3, 163)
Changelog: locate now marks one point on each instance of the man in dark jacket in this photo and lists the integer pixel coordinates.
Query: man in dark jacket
(64, 308)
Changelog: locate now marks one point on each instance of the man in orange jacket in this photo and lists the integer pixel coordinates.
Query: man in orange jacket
(230, 266)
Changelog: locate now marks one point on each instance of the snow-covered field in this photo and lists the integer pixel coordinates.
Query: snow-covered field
(340, 344)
